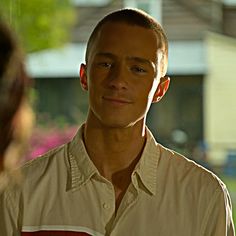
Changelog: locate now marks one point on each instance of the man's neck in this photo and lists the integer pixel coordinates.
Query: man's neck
(114, 150)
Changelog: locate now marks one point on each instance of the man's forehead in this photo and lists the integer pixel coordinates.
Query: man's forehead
(141, 42)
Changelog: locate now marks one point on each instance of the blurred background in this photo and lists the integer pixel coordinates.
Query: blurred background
(198, 114)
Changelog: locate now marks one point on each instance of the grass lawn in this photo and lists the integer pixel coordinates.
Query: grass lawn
(231, 185)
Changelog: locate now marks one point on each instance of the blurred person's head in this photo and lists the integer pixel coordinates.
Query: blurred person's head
(15, 114)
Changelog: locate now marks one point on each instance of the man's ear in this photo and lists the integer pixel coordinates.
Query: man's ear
(83, 77)
(161, 89)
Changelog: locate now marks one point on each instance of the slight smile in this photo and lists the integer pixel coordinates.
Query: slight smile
(118, 101)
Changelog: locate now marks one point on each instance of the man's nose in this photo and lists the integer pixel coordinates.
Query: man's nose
(118, 77)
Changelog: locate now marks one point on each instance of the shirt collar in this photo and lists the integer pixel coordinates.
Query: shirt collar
(82, 168)
(146, 168)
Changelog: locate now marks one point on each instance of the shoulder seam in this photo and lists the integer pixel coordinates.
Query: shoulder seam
(44, 156)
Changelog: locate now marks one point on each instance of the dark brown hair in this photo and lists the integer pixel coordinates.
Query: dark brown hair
(133, 17)
(13, 81)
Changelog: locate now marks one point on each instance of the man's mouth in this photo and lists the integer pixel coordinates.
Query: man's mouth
(116, 100)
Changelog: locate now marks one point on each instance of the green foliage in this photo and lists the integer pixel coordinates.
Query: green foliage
(231, 185)
(39, 23)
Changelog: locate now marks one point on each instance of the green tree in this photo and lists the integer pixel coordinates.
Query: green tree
(39, 24)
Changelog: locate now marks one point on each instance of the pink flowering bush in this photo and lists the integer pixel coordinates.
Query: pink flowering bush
(44, 139)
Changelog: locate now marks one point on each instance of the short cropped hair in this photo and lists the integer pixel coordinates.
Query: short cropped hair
(136, 17)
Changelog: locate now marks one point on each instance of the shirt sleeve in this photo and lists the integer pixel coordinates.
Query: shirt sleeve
(10, 213)
(218, 220)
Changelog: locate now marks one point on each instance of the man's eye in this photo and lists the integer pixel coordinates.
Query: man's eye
(105, 64)
(138, 69)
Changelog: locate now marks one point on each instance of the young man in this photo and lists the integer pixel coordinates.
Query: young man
(113, 178)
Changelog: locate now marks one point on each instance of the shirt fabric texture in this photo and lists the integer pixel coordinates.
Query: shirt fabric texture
(64, 194)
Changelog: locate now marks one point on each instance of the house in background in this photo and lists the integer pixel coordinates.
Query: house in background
(220, 97)
(185, 117)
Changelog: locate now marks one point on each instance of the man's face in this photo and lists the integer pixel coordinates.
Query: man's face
(122, 74)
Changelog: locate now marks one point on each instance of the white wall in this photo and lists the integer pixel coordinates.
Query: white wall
(220, 96)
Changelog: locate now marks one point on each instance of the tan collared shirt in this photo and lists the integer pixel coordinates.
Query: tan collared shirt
(63, 194)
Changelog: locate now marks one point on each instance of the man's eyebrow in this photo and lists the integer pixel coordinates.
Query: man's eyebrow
(105, 54)
(142, 60)
(132, 58)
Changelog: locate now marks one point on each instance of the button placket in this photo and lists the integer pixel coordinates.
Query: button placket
(128, 200)
(108, 200)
